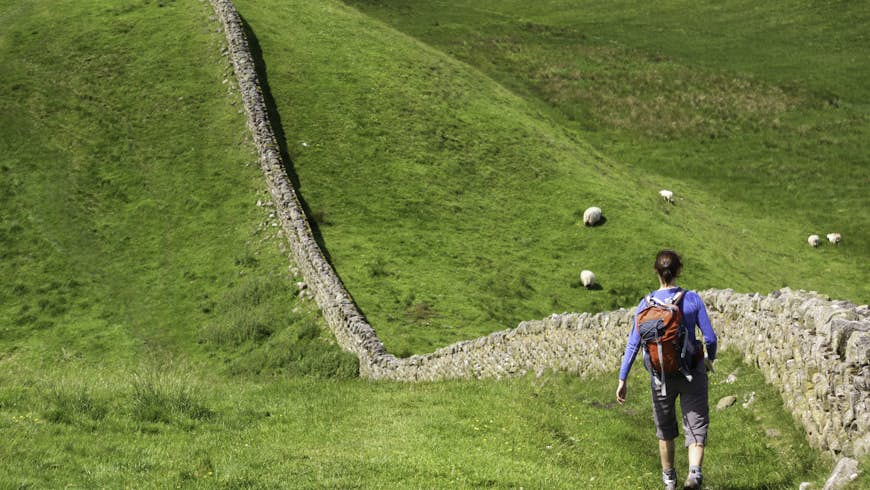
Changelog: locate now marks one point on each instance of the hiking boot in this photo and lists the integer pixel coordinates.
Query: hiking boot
(669, 478)
(693, 481)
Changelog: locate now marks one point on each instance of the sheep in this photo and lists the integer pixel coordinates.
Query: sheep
(668, 195)
(834, 238)
(813, 240)
(592, 216)
(587, 278)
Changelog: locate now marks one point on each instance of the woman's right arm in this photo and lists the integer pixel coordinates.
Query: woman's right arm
(707, 331)
(632, 345)
(631, 348)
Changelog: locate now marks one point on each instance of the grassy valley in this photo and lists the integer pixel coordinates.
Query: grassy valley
(763, 106)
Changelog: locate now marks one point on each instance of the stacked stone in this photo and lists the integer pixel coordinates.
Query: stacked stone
(351, 330)
(582, 344)
(814, 351)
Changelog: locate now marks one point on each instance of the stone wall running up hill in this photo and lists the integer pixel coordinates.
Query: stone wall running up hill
(351, 330)
(815, 351)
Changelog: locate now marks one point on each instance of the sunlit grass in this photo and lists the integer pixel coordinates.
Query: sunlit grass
(151, 336)
(180, 426)
(453, 162)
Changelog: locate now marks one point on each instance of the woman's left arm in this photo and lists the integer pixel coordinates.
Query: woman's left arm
(707, 330)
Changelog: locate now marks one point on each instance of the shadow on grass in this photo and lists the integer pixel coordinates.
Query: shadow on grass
(278, 130)
(281, 140)
(601, 222)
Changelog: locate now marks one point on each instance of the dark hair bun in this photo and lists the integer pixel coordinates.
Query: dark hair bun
(668, 265)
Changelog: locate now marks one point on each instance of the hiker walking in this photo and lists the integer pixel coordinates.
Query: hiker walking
(664, 326)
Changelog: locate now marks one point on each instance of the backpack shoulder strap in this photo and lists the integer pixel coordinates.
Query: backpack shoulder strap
(678, 296)
(652, 300)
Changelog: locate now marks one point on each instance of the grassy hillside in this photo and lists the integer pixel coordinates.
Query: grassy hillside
(450, 193)
(762, 105)
(150, 336)
(128, 201)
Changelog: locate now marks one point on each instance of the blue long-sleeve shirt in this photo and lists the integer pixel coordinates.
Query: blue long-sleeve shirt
(694, 314)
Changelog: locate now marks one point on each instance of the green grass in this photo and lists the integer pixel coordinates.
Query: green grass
(178, 425)
(129, 189)
(762, 105)
(150, 336)
(451, 165)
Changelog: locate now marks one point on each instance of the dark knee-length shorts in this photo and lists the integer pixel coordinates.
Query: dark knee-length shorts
(693, 403)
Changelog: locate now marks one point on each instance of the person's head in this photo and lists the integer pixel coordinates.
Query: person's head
(668, 266)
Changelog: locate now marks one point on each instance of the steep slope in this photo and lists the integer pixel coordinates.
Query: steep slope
(451, 207)
(128, 201)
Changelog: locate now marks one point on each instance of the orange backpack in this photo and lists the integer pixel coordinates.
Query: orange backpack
(660, 325)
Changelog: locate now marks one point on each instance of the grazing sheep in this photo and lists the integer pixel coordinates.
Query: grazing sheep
(592, 216)
(668, 195)
(587, 278)
(834, 238)
(813, 240)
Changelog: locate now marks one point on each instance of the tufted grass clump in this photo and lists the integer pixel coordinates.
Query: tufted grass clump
(261, 328)
(168, 398)
(305, 350)
(247, 313)
(76, 404)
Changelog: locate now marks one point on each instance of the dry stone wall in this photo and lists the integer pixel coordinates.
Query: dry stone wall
(815, 351)
(351, 330)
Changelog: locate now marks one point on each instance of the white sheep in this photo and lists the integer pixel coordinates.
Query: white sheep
(587, 278)
(592, 216)
(813, 240)
(834, 238)
(668, 195)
